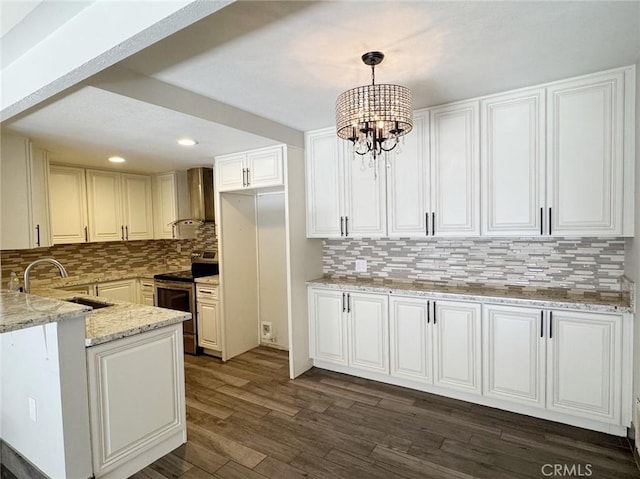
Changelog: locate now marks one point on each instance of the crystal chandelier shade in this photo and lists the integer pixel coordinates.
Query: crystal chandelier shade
(374, 117)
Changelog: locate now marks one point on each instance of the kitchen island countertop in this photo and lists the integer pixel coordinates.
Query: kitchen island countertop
(119, 320)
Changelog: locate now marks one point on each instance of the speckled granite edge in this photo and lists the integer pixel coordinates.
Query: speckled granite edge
(121, 319)
(21, 311)
(605, 302)
(212, 280)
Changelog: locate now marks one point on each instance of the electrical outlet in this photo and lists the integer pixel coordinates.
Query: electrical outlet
(178, 248)
(361, 266)
(266, 329)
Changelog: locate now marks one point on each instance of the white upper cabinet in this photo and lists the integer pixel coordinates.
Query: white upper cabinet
(253, 169)
(585, 365)
(325, 184)
(170, 202)
(512, 164)
(455, 170)
(24, 191)
(408, 185)
(68, 205)
(585, 122)
(230, 172)
(514, 350)
(104, 197)
(137, 207)
(343, 200)
(555, 160)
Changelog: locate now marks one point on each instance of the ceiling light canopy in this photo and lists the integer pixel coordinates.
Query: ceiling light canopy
(374, 117)
(187, 142)
(117, 159)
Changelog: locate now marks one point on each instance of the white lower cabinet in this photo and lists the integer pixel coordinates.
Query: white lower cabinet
(147, 294)
(514, 354)
(208, 318)
(457, 346)
(368, 331)
(584, 372)
(563, 365)
(123, 290)
(136, 400)
(351, 329)
(411, 336)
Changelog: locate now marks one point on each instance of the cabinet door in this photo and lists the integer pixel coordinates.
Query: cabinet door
(514, 354)
(104, 196)
(136, 400)
(208, 325)
(137, 207)
(456, 345)
(265, 168)
(324, 184)
(327, 328)
(68, 205)
(229, 172)
(165, 205)
(14, 188)
(585, 371)
(408, 182)
(455, 165)
(365, 199)
(40, 222)
(512, 160)
(585, 123)
(368, 331)
(410, 339)
(124, 290)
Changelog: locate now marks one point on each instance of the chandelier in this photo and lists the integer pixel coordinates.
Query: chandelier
(374, 117)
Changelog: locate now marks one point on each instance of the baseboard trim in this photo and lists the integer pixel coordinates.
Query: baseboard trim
(18, 466)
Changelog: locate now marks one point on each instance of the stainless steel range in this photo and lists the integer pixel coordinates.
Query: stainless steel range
(177, 290)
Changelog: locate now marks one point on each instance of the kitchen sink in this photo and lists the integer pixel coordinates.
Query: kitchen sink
(89, 302)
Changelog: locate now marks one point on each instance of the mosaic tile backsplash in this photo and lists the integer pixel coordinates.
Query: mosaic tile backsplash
(572, 263)
(98, 258)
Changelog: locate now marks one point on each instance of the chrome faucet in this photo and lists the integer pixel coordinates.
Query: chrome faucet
(63, 272)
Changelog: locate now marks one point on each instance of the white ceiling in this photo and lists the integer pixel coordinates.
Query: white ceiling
(288, 61)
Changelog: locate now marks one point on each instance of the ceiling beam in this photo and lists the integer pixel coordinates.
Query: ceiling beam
(125, 82)
(99, 36)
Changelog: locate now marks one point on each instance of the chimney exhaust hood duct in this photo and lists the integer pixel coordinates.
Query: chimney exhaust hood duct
(200, 182)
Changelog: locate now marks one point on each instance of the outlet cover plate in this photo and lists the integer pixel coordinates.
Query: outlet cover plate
(361, 266)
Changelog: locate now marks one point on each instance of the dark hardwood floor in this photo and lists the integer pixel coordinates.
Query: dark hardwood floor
(246, 419)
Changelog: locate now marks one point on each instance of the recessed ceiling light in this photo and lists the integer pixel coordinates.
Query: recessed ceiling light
(187, 142)
(117, 159)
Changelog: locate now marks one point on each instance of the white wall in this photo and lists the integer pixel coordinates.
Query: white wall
(272, 266)
(47, 364)
(632, 247)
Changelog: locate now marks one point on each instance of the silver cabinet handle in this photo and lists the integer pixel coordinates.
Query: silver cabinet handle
(248, 173)
(346, 226)
(38, 235)
(126, 233)
(173, 231)
(122, 233)
(342, 226)
(86, 234)
(344, 308)
(244, 182)
(348, 302)
(550, 220)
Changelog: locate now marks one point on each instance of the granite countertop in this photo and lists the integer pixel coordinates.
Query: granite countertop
(90, 278)
(213, 280)
(556, 298)
(118, 321)
(21, 311)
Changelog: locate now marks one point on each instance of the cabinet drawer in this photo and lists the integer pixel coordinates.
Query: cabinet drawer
(206, 292)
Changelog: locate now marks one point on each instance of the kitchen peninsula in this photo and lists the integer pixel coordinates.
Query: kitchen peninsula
(90, 392)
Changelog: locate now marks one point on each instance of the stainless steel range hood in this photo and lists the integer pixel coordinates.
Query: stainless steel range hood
(200, 183)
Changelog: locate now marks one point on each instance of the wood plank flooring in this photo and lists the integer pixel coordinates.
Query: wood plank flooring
(247, 420)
